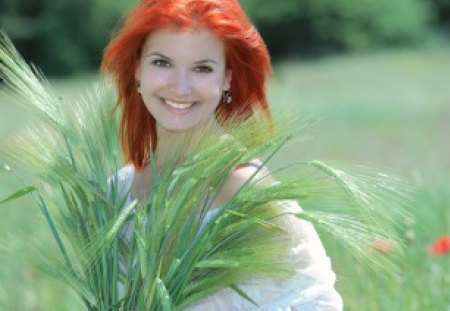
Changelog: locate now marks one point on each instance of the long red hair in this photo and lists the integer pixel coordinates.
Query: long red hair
(245, 53)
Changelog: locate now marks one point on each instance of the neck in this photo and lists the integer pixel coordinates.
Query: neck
(178, 144)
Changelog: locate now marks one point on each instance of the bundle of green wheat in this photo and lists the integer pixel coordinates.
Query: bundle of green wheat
(177, 251)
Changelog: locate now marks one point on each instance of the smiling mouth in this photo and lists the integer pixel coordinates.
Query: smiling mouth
(178, 104)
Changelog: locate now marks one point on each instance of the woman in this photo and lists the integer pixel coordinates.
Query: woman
(182, 67)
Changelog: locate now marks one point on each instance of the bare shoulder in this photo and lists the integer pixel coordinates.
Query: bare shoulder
(253, 170)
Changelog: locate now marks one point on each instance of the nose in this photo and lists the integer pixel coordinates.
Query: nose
(181, 84)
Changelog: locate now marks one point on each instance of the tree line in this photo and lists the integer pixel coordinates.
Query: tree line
(65, 37)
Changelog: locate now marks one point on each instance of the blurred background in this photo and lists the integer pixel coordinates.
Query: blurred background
(376, 71)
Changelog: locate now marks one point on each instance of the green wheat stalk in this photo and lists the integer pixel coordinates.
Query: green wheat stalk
(173, 258)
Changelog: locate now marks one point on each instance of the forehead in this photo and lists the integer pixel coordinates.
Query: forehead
(197, 43)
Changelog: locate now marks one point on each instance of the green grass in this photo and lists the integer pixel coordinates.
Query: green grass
(394, 107)
(388, 109)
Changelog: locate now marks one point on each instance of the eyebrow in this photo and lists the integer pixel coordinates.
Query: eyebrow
(203, 61)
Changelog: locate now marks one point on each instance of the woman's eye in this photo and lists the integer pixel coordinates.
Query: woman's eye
(161, 63)
(203, 69)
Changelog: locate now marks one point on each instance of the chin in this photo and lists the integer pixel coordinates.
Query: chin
(178, 128)
(183, 125)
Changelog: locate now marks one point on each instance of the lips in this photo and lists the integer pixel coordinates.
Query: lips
(178, 105)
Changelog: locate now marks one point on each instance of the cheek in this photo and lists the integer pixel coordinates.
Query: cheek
(152, 80)
(211, 86)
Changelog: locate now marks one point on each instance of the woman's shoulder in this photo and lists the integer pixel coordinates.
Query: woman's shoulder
(254, 170)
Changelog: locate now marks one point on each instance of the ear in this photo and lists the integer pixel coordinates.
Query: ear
(227, 81)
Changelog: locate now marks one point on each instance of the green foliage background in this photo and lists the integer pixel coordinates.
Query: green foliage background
(64, 37)
(59, 36)
(343, 24)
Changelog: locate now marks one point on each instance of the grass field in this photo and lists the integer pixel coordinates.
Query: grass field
(390, 110)
(387, 109)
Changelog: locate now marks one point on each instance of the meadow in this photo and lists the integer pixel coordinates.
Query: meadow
(388, 109)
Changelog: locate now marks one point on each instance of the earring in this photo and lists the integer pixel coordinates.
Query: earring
(227, 98)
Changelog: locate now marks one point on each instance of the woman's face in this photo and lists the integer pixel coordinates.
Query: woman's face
(182, 76)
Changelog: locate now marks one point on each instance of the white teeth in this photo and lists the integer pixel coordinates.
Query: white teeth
(178, 105)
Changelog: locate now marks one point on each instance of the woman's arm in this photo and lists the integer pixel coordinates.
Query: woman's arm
(312, 286)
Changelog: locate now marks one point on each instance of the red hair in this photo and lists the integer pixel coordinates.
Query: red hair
(245, 54)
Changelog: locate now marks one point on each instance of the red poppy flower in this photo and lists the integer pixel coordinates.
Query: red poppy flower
(441, 246)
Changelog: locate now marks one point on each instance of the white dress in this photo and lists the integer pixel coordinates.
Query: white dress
(310, 289)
